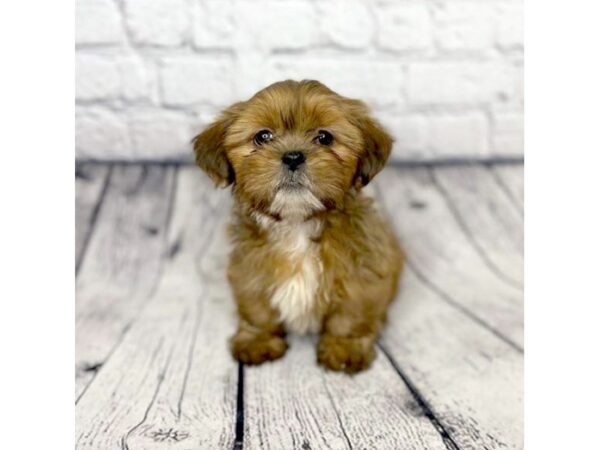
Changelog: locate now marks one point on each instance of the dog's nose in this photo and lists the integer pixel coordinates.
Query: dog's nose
(293, 159)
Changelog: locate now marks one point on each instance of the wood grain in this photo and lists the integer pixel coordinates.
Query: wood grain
(487, 214)
(471, 380)
(441, 253)
(379, 412)
(171, 382)
(154, 312)
(448, 329)
(124, 259)
(512, 179)
(294, 403)
(91, 181)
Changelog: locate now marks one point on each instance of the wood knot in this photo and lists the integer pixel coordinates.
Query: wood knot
(169, 435)
(417, 204)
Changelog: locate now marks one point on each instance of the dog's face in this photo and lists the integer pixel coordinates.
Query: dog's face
(293, 149)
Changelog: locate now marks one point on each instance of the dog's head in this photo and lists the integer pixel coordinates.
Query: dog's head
(293, 149)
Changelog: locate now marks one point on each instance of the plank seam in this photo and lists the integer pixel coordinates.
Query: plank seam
(469, 235)
(124, 332)
(171, 207)
(239, 413)
(507, 192)
(190, 357)
(423, 404)
(441, 294)
(93, 219)
(154, 356)
(336, 412)
(445, 297)
(112, 351)
(139, 182)
(161, 377)
(152, 291)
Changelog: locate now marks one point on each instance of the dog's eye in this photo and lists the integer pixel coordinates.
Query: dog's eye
(324, 138)
(263, 136)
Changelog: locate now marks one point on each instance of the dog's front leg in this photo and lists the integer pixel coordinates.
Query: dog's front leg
(260, 336)
(347, 341)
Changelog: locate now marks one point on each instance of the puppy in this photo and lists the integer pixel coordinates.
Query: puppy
(310, 252)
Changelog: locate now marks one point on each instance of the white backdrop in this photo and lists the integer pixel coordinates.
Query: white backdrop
(445, 76)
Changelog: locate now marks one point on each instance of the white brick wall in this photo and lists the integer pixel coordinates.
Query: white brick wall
(445, 76)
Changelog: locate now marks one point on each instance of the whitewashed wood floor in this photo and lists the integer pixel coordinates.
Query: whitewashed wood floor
(153, 314)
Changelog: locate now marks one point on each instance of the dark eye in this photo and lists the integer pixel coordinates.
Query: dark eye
(324, 138)
(263, 136)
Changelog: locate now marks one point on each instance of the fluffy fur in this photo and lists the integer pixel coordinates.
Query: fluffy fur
(310, 252)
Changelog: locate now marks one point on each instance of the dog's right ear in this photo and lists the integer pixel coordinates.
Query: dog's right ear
(209, 150)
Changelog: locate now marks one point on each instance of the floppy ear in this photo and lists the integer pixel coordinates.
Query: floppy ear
(377, 148)
(209, 150)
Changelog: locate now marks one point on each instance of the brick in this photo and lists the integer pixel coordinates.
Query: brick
(98, 22)
(464, 25)
(347, 23)
(509, 26)
(378, 83)
(96, 78)
(274, 25)
(459, 135)
(100, 134)
(213, 25)
(137, 79)
(506, 85)
(460, 60)
(404, 27)
(507, 134)
(187, 80)
(160, 134)
(157, 22)
(410, 135)
(463, 83)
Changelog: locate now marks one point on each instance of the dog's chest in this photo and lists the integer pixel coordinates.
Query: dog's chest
(295, 295)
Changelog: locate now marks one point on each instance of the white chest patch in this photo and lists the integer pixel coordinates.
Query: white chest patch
(296, 297)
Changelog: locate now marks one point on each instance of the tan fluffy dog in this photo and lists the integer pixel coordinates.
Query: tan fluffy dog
(310, 253)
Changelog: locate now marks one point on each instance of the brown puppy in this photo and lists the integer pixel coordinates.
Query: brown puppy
(310, 253)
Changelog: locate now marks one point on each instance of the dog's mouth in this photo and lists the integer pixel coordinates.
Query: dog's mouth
(294, 198)
(292, 181)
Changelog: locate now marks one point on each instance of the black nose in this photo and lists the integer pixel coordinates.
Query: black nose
(293, 159)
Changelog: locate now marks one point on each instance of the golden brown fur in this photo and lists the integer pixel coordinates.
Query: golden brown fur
(310, 252)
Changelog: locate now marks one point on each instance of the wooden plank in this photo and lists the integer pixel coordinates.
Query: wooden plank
(90, 184)
(511, 178)
(488, 216)
(294, 403)
(470, 376)
(171, 383)
(441, 254)
(124, 259)
(379, 412)
(471, 380)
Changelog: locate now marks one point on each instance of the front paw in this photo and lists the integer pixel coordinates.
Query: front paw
(346, 354)
(257, 348)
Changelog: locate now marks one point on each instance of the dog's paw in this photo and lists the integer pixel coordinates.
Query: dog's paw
(345, 354)
(257, 349)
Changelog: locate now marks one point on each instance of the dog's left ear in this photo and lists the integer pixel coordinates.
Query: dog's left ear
(377, 146)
